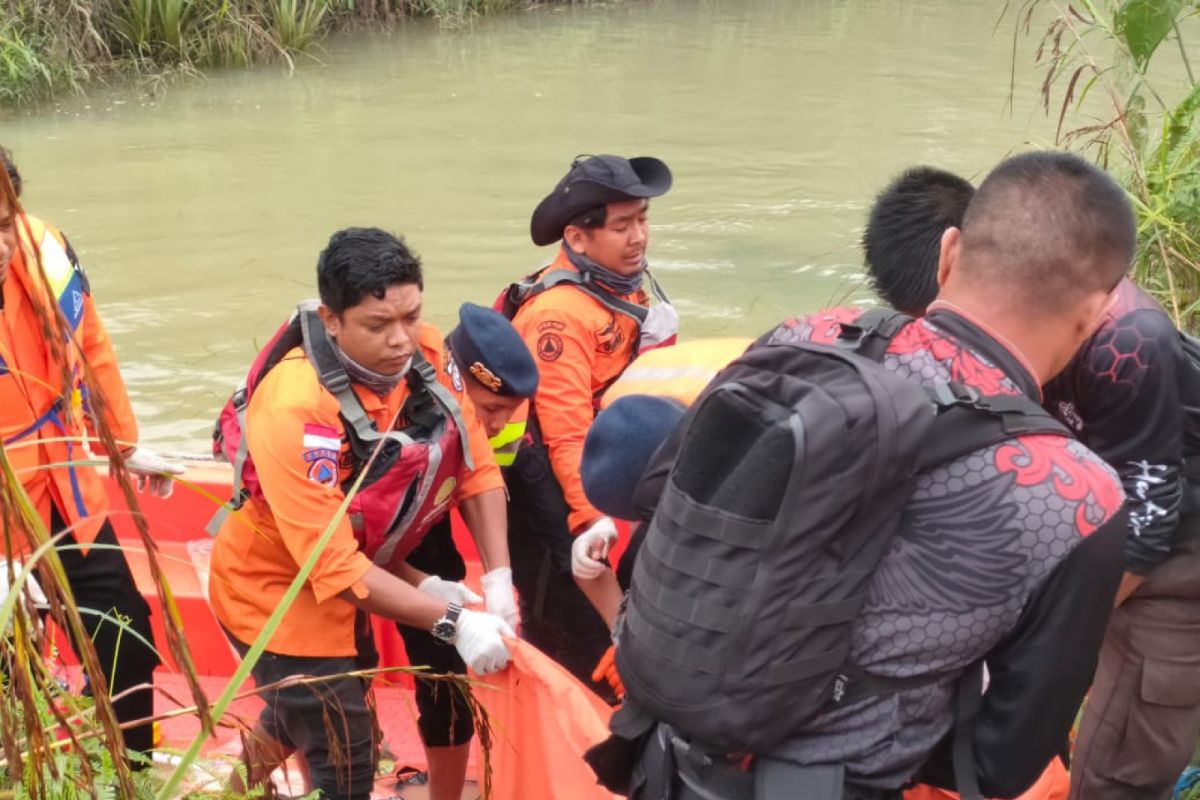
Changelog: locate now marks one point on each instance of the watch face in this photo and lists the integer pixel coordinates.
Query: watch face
(445, 630)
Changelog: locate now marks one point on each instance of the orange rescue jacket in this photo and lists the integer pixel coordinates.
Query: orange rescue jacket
(581, 347)
(42, 421)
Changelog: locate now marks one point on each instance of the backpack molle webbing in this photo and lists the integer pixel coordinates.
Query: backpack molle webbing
(791, 480)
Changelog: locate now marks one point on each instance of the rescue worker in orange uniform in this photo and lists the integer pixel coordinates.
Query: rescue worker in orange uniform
(48, 420)
(585, 317)
(368, 366)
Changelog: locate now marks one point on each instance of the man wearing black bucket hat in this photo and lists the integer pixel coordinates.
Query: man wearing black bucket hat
(585, 317)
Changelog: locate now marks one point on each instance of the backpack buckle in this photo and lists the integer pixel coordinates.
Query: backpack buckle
(947, 395)
(853, 335)
(336, 380)
(426, 371)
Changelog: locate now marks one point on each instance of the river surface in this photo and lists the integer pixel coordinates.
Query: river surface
(199, 211)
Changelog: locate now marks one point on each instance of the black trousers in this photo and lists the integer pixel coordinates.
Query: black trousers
(102, 583)
(556, 616)
(443, 714)
(332, 722)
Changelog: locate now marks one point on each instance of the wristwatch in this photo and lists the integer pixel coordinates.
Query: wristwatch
(445, 630)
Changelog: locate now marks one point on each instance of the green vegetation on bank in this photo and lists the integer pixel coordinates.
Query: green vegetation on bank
(1105, 83)
(50, 47)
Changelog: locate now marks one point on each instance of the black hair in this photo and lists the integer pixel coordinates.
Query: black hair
(1050, 227)
(14, 175)
(902, 241)
(593, 218)
(364, 261)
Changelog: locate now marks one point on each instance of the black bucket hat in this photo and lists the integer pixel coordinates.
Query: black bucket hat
(594, 181)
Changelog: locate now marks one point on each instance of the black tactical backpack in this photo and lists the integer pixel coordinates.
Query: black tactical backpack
(790, 482)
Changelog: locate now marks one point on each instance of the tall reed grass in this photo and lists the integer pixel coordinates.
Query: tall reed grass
(1148, 129)
(49, 47)
(57, 745)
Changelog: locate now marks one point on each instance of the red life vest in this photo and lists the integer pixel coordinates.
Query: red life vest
(410, 481)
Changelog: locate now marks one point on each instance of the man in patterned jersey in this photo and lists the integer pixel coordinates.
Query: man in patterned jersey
(1012, 553)
(1132, 395)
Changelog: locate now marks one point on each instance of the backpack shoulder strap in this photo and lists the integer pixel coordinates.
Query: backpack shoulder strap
(872, 333)
(333, 376)
(449, 407)
(526, 290)
(967, 421)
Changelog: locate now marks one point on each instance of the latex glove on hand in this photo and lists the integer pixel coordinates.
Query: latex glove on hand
(479, 641)
(606, 671)
(498, 596)
(153, 472)
(449, 591)
(591, 548)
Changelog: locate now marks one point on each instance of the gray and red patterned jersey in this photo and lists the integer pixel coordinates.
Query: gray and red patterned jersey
(1010, 554)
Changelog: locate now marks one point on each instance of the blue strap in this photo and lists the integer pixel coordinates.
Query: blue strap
(51, 415)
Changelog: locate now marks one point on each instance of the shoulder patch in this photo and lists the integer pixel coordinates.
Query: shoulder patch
(322, 446)
(452, 371)
(609, 338)
(549, 346)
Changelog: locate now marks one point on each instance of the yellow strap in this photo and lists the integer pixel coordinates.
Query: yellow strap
(506, 443)
(56, 263)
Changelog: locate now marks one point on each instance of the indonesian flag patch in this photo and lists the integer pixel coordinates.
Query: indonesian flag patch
(321, 437)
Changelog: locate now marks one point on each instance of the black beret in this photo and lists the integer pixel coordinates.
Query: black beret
(487, 347)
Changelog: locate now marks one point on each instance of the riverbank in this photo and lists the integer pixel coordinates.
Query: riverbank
(54, 47)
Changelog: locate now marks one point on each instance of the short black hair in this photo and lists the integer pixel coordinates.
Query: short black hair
(364, 261)
(903, 238)
(1048, 228)
(593, 218)
(14, 175)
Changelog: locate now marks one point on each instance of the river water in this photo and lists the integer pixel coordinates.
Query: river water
(199, 211)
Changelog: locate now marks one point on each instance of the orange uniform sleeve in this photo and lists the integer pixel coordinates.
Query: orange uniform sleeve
(564, 349)
(98, 349)
(486, 475)
(285, 403)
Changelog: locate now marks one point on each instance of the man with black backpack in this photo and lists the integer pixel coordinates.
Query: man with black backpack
(857, 515)
(1132, 394)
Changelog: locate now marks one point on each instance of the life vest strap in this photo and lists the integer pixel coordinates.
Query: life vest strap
(241, 401)
(49, 415)
(333, 376)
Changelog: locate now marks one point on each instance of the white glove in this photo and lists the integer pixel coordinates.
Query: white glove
(32, 588)
(479, 642)
(498, 591)
(449, 591)
(590, 547)
(153, 471)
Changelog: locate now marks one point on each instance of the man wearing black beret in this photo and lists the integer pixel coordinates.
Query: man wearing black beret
(487, 361)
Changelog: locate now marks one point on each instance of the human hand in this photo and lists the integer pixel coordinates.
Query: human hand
(498, 595)
(449, 591)
(480, 643)
(591, 547)
(153, 472)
